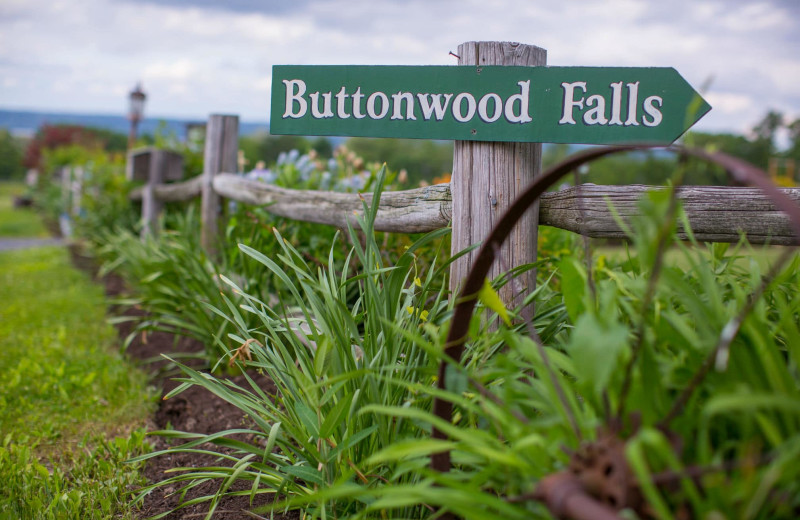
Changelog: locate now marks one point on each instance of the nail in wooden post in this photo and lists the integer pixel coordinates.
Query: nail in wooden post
(488, 176)
(151, 205)
(222, 145)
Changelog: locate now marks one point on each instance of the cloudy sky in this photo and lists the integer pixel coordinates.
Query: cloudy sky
(195, 57)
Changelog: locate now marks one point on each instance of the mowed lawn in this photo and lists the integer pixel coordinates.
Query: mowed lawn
(72, 408)
(17, 222)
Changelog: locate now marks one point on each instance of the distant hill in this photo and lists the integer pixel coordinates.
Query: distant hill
(25, 123)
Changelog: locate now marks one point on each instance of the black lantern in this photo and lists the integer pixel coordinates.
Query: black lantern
(137, 98)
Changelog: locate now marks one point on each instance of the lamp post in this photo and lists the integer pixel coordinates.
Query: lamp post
(135, 111)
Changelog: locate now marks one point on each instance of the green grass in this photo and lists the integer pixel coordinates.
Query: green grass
(764, 256)
(66, 389)
(17, 222)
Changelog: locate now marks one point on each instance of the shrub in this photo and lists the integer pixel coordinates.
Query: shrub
(618, 367)
(366, 337)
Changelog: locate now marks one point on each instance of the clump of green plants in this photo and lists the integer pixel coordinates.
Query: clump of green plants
(179, 284)
(104, 197)
(338, 345)
(336, 342)
(687, 373)
(101, 203)
(683, 379)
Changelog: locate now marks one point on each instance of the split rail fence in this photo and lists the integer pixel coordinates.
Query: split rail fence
(715, 213)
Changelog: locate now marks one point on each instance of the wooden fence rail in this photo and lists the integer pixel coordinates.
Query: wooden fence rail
(715, 213)
(175, 192)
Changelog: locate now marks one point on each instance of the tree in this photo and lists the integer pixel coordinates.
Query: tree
(50, 137)
(764, 142)
(323, 147)
(794, 138)
(765, 129)
(10, 157)
(554, 153)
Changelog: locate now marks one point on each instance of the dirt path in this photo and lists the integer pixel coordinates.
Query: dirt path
(194, 410)
(11, 244)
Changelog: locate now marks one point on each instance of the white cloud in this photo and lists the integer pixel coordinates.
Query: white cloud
(180, 70)
(195, 60)
(756, 17)
(730, 103)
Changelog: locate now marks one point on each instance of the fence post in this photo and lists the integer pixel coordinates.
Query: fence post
(222, 145)
(66, 192)
(66, 189)
(151, 205)
(488, 177)
(77, 190)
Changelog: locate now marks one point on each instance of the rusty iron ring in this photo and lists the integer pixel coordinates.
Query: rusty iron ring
(739, 170)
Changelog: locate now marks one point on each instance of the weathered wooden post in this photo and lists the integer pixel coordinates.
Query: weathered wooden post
(77, 189)
(155, 167)
(222, 145)
(488, 176)
(66, 189)
(66, 192)
(152, 205)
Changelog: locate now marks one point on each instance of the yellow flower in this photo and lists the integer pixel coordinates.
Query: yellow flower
(422, 315)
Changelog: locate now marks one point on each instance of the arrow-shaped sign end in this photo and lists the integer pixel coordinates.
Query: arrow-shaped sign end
(695, 109)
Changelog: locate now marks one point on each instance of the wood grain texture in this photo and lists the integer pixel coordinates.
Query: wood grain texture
(715, 213)
(151, 204)
(222, 145)
(173, 192)
(411, 211)
(487, 177)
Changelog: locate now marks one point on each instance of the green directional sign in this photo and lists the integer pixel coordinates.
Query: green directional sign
(592, 105)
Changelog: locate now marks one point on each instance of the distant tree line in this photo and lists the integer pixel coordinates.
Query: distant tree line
(11, 154)
(656, 167)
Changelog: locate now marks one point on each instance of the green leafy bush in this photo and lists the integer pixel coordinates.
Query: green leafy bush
(337, 344)
(700, 443)
(687, 372)
(178, 284)
(340, 341)
(348, 433)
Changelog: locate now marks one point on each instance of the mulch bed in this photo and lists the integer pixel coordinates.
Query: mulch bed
(194, 410)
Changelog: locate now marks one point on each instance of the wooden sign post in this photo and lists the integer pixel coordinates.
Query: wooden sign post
(498, 106)
(488, 176)
(221, 151)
